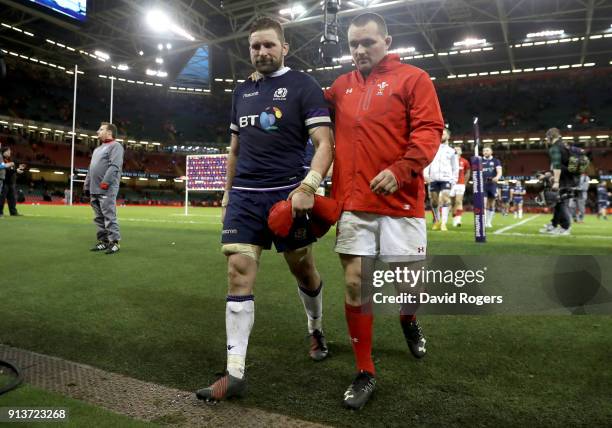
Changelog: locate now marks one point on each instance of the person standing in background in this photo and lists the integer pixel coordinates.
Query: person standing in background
(102, 182)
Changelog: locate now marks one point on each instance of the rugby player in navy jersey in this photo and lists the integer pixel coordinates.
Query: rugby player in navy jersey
(491, 173)
(504, 198)
(518, 193)
(603, 200)
(271, 121)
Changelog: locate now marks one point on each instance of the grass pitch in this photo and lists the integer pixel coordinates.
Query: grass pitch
(155, 311)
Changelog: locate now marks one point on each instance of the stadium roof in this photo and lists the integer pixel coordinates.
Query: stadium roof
(430, 27)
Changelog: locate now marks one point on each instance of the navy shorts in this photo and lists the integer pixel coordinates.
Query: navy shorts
(490, 190)
(602, 204)
(246, 221)
(438, 186)
(518, 200)
(505, 199)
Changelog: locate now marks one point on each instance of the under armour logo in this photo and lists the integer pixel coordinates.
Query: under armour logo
(420, 250)
(354, 340)
(348, 394)
(422, 347)
(349, 91)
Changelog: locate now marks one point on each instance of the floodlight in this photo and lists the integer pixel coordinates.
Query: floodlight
(102, 55)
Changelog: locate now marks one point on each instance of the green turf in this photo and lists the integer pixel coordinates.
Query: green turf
(155, 311)
(79, 413)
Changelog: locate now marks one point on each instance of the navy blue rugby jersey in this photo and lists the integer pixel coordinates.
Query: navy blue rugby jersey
(505, 190)
(518, 192)
(272, 117)
(489, 167)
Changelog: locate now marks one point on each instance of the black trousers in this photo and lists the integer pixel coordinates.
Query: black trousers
(8, 194)
(561, 214)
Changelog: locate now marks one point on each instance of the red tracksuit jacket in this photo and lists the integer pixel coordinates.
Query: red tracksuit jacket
(390, 120)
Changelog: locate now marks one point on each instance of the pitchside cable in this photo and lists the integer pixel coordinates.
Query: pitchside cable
(479, 211)
(14, 380)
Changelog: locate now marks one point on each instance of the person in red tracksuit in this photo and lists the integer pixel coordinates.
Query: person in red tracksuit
(388, 128)
(458, 189)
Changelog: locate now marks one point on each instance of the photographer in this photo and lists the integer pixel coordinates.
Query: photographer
(9, 190)
(3, 167)
(563, 183)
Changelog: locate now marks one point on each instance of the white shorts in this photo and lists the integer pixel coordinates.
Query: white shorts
(458, 189)
(391, 239)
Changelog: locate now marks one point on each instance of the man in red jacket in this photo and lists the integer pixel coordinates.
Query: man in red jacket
(388, 128)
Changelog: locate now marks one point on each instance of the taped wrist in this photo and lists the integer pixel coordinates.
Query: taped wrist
(225, 199)
(310, 183)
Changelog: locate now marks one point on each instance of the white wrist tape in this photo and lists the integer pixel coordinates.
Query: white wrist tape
(225, 199)
(311, 182)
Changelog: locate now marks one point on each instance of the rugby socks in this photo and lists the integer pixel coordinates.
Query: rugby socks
(457, 217)
(239, 319)
(405, 319)
(313, 305)
(359, 320)
(436, 214)
(489, 216)
(520, 211)
(444, 214)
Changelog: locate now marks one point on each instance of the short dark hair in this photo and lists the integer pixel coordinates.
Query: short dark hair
(111, 127)
(366, 18)
(553, 133)
(265, 23)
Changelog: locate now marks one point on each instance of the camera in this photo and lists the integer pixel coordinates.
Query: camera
(547, 196)
(330, 42)
(332, 6)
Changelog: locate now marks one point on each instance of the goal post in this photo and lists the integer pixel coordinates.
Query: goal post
(204, 173)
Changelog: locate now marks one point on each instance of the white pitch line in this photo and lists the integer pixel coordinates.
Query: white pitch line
(573, 235)
(512, 226)
(197, 215)
(130, 219)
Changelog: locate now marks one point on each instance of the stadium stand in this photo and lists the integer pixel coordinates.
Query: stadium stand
(522, 103)
(514, 111)
(530, 102)
(41, 94)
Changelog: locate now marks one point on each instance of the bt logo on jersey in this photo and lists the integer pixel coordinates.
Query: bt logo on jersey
(267, 119)
(246, 120)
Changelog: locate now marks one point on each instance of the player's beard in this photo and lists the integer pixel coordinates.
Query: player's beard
(268, 65)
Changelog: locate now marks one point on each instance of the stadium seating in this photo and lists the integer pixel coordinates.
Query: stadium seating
(521, 103)
(529, 103)
(42, 94)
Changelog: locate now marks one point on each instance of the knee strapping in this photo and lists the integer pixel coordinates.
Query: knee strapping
(249, 250)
